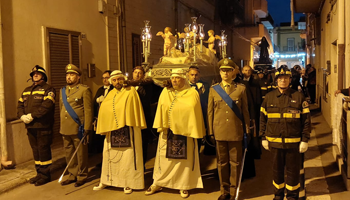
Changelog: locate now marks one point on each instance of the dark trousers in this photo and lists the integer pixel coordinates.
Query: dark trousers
(288, 159)
(145, 139)
(40, 141)
(229, 158)
(312, 92)
(78, 168)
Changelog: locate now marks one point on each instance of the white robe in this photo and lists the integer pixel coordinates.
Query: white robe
(118, 167)
(185, 119)
(119, 109)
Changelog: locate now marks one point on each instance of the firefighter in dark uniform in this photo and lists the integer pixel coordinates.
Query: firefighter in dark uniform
(36, 109)
(80, 100)
(285, 129)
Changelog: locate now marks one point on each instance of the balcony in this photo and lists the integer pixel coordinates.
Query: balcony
(260, 8)
(306, 6)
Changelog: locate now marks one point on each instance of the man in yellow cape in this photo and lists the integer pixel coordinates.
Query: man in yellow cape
(178, 114)
(121, 119)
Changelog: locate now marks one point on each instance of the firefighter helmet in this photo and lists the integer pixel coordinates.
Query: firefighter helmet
(282, 70)
(37, 68)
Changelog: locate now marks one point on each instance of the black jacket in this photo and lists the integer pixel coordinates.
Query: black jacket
(285, 119)
(39, 100)
(100, 91)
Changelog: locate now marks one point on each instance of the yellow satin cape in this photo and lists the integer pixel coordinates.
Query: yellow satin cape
(181, 112)
(120, 108)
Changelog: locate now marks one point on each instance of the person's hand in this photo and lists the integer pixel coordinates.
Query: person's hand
(265, 144)
(87, 134)
(25, 119)
(337, 92)
(303, 147)
(212, 139)
(30, 118)
(100, 99)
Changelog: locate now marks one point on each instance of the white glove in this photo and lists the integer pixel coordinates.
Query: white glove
(30, 118)
(100, 99)
(265, 144)
(303, 147)
(25, 119)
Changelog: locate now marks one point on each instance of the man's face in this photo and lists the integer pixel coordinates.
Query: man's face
(283, 81)
(177, 82)
(193, 76)
(227, 74)
(105, 78)
(118, 82)
(72, 78)
(247, 71)
(137, 75)
(37, 76)
(261, 75)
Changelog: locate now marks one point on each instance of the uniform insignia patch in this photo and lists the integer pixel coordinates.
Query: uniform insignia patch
(69, 67)
(51, 94)
(305, 104)
(38, 97)
(226, 62)
(293, 101)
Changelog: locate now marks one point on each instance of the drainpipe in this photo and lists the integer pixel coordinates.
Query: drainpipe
(347, 41)
(3, 139)
(341, 45)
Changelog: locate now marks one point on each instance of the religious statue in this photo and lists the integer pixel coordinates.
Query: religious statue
(211, 41)
(168, 40)
(264, 51)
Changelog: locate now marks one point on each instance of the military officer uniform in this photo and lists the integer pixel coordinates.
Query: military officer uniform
(80, 99)
(285, 124)
(38, 101)
(228, 131)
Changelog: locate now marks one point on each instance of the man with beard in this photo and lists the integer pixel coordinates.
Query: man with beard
(121, 119)
(76, 124)
(36, 109)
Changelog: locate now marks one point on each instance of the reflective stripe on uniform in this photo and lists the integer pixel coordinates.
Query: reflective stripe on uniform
(291, 188)
(286, 140)
(291, 115)
(20, 99)
(263, 88)
(269, 87)
(262, 109)
(43, 163)
(49, 97)
(273, 115)
(306, 110)
(278, 186)
(26, 93)
(38, 92)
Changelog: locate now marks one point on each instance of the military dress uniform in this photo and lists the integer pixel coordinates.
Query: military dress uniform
(284, 123)
(80, 99)
(39, 101)
(228, 131)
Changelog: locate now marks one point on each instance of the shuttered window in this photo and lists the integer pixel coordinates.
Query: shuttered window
(63, 48)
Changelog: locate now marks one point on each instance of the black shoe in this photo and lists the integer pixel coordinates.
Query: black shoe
(79, 183)
(67, 182)
(41, 182)
(34, 179)
(224, 197)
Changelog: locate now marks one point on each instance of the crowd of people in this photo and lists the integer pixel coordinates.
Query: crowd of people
(238, 115)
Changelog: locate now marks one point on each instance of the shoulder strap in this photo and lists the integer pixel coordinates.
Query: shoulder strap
(228, 100)
(69, 108)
